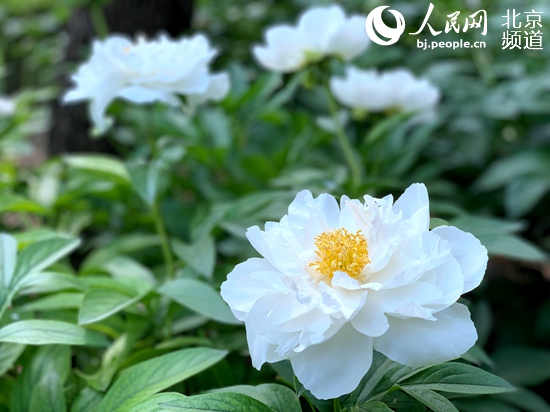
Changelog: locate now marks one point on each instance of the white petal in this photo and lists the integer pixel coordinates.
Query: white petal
(468, 251)
(318, 24)
(284, 50)
(140, 95)
(309, 217)
(419, 342)
(248, 282)
(414, 204)
(371, 320)
(335, 367)
(350, 40)
(341, 303)
(261, 351)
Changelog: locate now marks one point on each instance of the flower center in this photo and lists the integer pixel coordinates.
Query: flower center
(340, 250)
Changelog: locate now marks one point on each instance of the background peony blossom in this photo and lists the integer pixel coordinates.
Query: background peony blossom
(144, 71)
(337, 281)
(7, 106)
(321, 31)
(372, 91)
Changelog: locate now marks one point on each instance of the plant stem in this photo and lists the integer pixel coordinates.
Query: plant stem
(337, 405)
(166, 253)
(99, 22)
(353, 164)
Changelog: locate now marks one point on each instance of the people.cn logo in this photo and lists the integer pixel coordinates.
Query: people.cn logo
(375, 25)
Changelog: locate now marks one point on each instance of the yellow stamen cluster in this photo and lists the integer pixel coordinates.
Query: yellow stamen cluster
(340, 250)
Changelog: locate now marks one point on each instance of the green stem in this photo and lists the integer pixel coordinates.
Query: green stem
(98, 20)
(165, 245)
(353, 164)
(337, 405)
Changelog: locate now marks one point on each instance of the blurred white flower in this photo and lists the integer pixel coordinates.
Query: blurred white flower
(337, 281)
(144, 71)
(321, 31)
(372, 91)
(7, 106)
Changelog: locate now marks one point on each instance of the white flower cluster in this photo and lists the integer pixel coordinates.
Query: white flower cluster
(337, 281)
(144, 71)
(321, 31)
(372, 91)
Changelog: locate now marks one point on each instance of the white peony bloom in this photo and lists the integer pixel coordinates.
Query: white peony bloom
(337, 281)
(144, 71)
(372, 91)
(321, 31)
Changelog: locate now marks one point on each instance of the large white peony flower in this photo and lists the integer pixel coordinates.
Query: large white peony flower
(372, 91)
(144, 71)
(321, 31)
(337, 281)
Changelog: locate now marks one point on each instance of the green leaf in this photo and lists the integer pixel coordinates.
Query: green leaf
(53, 302)
(46, 332)
(14, 203)
(435, 222)
(147, 179)
(45, 282)
(110, 362)
(9, 353)
(48, 395)
(279, 398)
(525, 400)
(371, 407)
(456, 378)
(103, 302)
(286, 93)
(477, 225)
(431, 399)
(147, 378)
(108, 168)
(133, 242)
(381, 377)
(217, 126)
(86, 401)
(522, 365)
(504, 170)
(484, 405)
(512, 247)
(200, 298)
(200, 256)
(151, 404)
(217, 402)
(383, 127)
(49, 358)
(523, 193)
(8, 258)
(40, 255)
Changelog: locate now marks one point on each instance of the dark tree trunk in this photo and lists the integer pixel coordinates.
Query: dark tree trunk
(70, 131)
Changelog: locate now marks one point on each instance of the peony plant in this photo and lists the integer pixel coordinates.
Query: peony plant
(336, 282)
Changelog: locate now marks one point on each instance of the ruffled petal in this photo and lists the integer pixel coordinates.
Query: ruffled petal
(335, 367)
(470, 254)
(248, 282)
(413, 204)
(418, 342)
